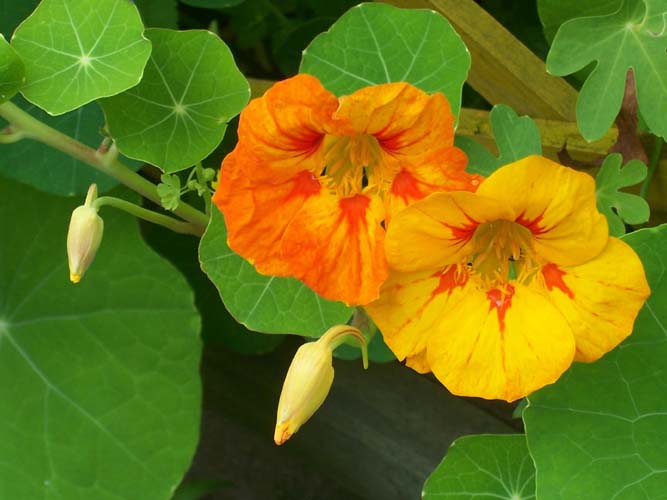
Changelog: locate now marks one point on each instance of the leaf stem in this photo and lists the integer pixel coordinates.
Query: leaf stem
(148, 215)
(652, 165)
(104, 162)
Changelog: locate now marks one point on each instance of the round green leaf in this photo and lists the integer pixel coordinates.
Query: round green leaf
(600, 431)
(484, 467)
(99, 394)
(376, 43)
(178, 114)
(264, 303)
(12, 71)
(48, 169)
(76, 52)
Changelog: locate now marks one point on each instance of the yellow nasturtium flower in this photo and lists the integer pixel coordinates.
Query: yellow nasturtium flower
(497, 292)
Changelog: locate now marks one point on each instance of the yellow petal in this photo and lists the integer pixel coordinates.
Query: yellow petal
(556, 203)
(600, 298)
(436, 231)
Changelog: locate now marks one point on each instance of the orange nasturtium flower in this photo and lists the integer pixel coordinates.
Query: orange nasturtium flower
(497, 292)
(314, 179)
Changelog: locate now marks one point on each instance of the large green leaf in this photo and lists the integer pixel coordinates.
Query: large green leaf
(635, 36)
(516, 138)
(377, 43)
(50, 170)
(78, 51)
(619, 207)
(12, 71)
(99, 389)
(600, 431)
(178, 114)
(264, 303)
(484, 467)
(553, 13)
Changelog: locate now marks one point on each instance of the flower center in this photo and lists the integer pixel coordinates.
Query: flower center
(353, 163)
(503, 252)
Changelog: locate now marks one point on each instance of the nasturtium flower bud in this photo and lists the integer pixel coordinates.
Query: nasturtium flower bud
(84, 236)
(309, 379)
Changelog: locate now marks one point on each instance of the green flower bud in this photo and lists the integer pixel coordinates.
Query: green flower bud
(84, 236)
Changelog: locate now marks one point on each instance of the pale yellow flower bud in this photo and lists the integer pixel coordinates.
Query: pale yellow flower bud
(84, 236)
(309, 379)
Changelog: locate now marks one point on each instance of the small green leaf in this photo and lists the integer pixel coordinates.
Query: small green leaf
(12, 71)
(264, 303)
(484, 467)
(618, 207)
(169, 191)
(376, 43)
(600, 431)
(516, 137)
(99, 382)
(635, 36)
(178, 114)
(48, 169)
(76, 52)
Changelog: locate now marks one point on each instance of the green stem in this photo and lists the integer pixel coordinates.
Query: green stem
(202, 182)
(148, 215)
(104, 162)
(652, 166)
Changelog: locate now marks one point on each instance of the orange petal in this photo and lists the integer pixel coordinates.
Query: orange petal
(284, 128)
(336, 246)
(442, 170)
(257, 213)
(600, 301)
(437, 231)
(556, 203)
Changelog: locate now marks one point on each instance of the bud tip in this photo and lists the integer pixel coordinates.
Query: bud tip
(74, 277)
(282, 433)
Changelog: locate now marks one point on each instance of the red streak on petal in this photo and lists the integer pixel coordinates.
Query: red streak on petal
(465, 232)
(354, 210)
(532, 225)
(553, 278)
(405, 186)
(305, 185)
(449, 280)
(501, 301)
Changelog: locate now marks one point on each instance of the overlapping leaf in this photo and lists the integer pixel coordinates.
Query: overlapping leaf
(484, 467)
(634, 37)
(48, 169)
(99, 388)
(619, 207)
(76, 52)
(553, 13)
(516, 138)
(599, 432)
(178, 114)
(376, 43)
(264, 303)
(12, 71)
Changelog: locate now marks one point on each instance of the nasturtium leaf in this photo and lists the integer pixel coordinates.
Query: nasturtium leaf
(553, 13)
(76, 52)
(12, 71)
(516, 138)
(48, 169)
(600, 431)
(376, 43)
(484, 467)
(158, 13)
(266, 304)
(212, 4)
(633, 37)
(99, 388)
(178, 114)
(619, 207)
(169, 191)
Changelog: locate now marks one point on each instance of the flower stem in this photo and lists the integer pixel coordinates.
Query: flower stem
(149, 215)
(104, 162)
(652, 166)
